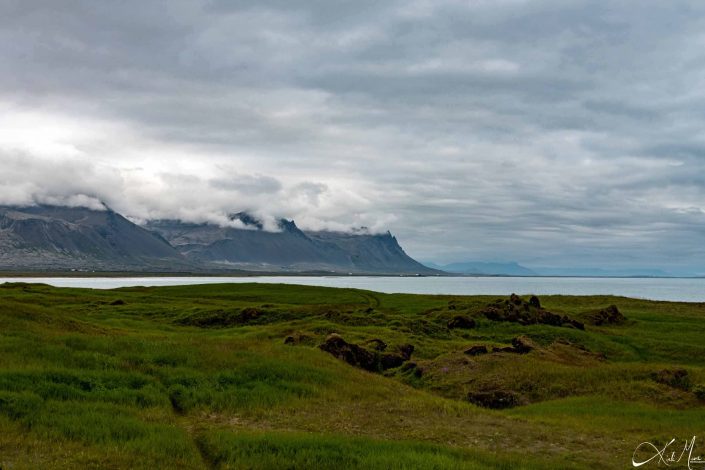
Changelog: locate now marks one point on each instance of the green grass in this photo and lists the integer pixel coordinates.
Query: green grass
(199, 377)
(302, 451)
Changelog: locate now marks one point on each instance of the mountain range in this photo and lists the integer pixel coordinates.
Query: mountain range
(47, 238)
(481, 268)
(485, 268)
(54, 238)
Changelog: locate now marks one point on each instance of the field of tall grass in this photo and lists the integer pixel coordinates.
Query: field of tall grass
(201, 377)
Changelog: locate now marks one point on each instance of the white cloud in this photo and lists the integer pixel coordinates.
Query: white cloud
(540, 131)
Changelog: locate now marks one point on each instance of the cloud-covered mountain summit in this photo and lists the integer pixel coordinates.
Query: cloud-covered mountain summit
(548, 132)
(46, 238)
(251, 247)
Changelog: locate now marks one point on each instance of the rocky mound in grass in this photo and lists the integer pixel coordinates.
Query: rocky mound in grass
(517, 310)
(358, 356)
(606, 316)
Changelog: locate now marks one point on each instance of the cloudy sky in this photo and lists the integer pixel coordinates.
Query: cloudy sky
(553, 133)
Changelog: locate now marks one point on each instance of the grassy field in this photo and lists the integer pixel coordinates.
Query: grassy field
(201, 377)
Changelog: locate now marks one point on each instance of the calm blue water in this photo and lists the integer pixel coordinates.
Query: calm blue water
(687, 290)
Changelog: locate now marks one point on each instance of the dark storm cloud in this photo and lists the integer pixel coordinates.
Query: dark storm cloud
(548, 132)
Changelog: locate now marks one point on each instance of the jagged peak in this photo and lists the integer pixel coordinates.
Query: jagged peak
(246, 219)
(252, 222)
(287, 225)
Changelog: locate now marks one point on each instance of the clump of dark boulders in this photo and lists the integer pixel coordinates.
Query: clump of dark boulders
(462, 322)
(363, 358)
(517, 310)
(476, 350)
(534, 301)
(117, 302)
(351, 353)
(495, 399)
(606, 316)
(675, 378)
(390, 361)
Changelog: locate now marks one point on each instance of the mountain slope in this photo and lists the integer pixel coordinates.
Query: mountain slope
(50, 237)
(372, 252)
(290, 249)
(46, 238)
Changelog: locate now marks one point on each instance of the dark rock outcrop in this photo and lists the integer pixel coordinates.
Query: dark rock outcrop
(462, 322)
(363, 358)
(351, 353)
(534, 302)
(606, 316)
(516, 310)
(390, 361)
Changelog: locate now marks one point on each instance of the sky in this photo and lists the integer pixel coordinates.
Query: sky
(552, 133)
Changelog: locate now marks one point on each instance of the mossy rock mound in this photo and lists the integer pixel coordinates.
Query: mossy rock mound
(359, 356)
(517, 310)
(606, 316)
(461, 322)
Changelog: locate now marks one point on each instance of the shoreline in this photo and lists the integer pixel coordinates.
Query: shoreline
(238, 274)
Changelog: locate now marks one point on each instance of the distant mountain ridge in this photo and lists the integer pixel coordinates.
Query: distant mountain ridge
(46, 238)
(290, 249)
(486, 268)
(51, 237)
(480, 268)
(602, 272)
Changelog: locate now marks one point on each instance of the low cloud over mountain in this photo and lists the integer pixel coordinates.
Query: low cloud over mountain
(46, 238)
(551, 133)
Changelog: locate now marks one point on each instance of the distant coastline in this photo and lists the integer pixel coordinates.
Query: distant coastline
(661, 289)
(226, 274)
